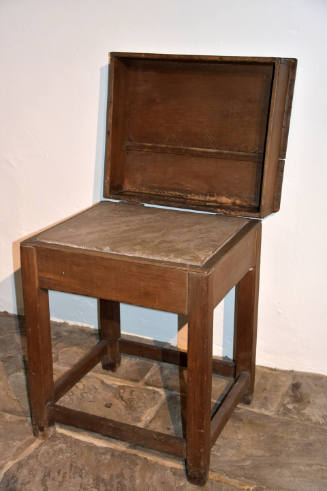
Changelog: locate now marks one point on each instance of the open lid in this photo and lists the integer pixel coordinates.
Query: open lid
(200, 132)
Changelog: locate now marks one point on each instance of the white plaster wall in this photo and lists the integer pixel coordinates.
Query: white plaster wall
(53, 58)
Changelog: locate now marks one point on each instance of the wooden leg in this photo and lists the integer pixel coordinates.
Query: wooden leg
(246, 314)
(199, 379)
(39, 353)
(109, 329)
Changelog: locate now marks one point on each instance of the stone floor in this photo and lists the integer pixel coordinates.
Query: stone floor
(277, 443)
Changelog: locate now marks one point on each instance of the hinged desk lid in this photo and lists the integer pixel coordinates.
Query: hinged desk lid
(199, 132)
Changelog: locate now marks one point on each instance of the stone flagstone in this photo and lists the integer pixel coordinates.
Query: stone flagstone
(63, 463)
(15, 437)
(273, 452)
(131, 368)
(279, 442)
(8, 401)
(174, 378)
(305, 399)
(270, 386)
(122, 402)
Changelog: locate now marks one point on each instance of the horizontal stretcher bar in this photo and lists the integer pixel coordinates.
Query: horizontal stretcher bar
(122, 431)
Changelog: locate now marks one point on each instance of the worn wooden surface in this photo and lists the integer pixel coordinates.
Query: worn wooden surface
(135, 231)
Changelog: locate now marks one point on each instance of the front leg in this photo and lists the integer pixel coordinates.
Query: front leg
(39, 352)
(199, 379)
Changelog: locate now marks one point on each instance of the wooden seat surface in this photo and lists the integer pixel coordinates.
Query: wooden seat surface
(145, 232)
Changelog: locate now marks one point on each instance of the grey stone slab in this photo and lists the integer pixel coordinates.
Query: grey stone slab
(15, 437)
(270, 386)
(65, 335)
(18, 383)
(125, 403)
(170, 417)
(174, 378)
(167, 376)
(8, 400)
(11, 335)
(13, 363)
(10, 323)
(63, 463)
(10, 345)
(272, 452)
(131, 368)
(305, 399)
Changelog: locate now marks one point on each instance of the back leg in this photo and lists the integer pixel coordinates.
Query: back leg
(109, 329)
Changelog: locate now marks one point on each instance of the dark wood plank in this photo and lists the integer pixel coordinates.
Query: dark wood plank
(81, 368)
(220, 366)
(246, 315)
(116, 124)
(39, 352)
(193, 152)
(279, 183)
(185, 202)
(227, 406)
(181, 57)
(222, 181)
(97, 276)
(199, 379)
(122, 431)
(292, 65)
(109, 329)
(271, 182)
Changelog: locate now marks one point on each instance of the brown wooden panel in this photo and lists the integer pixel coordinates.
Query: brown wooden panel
(191, 131)
(217, 180)
(204, 105)
(292, 65)
(233, 262)
(203, 58)
(276, 137)
(112, 279)
(116, 124)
